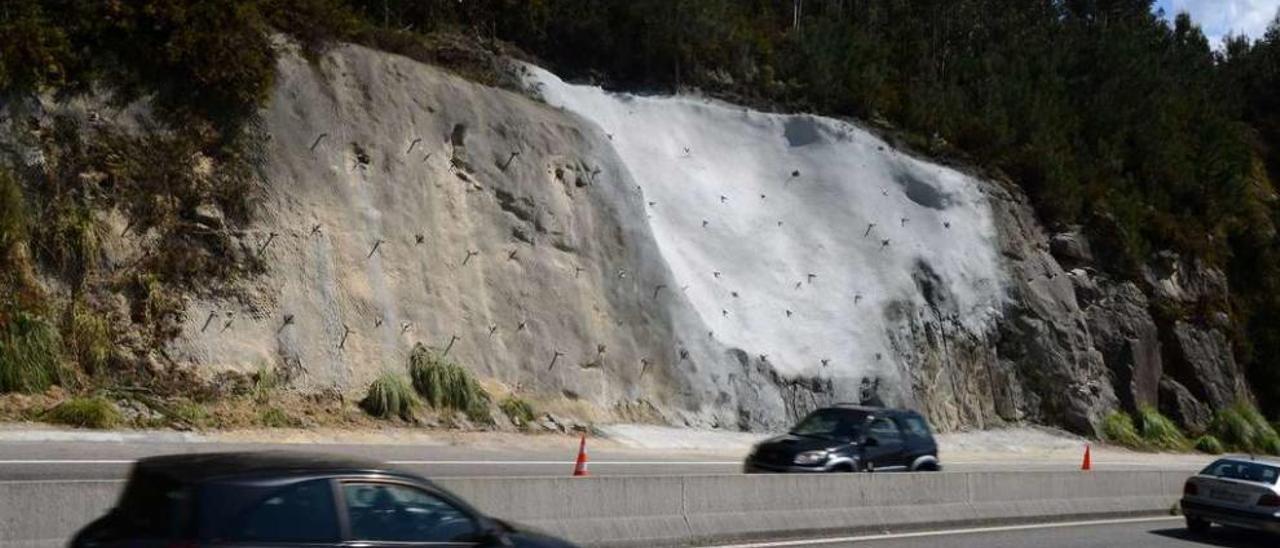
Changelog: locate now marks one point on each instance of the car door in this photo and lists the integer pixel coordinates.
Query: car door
(394, 514)
(918, 441)
(883, 446)
(293, 515)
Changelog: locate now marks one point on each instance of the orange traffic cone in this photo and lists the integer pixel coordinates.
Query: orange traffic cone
(1087, 465)
(580, 467)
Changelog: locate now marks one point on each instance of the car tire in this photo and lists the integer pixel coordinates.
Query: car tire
(1197, 526)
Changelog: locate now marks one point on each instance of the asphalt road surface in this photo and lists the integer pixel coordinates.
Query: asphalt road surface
(1144, 533)
(51, 460)
(105, 460)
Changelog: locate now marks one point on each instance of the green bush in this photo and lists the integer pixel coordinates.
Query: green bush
(518, 410)
(391, 395)
(1118, 428)
(89, 339)
(29, 354)
(274, 417)
(1209, 444)
(1270, 445)
(69, 237)
(1242, 428)
(1262, 430)
(265, 382)
(1233, 428)
(94, 412)
(188, 413)
(1160, 432)
(447, 385)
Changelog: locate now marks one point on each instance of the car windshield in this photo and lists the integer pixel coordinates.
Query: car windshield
(1241, 470)
(835, 424)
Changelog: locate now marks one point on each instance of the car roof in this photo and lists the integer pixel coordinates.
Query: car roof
(200, 467)
(1261, 459)
(874, 410)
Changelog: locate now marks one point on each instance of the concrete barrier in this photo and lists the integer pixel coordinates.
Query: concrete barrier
(689, 510)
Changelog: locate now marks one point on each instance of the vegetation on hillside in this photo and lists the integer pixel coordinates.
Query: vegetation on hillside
(447, 386)
(391, 396)
(1118, 428)
(517, 410)
(1158, 432)
(1111, 118)
(1242, 428)
(89, 412)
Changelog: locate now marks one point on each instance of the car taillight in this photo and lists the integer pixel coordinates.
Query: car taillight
(1269, 500)
(1190, 489)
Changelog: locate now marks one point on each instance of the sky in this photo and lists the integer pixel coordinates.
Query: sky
(1219, 17)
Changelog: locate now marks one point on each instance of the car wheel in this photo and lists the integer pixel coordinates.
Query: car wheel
(1197, 526)
(843, 468)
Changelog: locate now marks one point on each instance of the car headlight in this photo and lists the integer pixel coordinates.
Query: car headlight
(812, 457)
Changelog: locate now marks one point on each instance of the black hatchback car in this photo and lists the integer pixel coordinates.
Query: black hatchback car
(289, 499)
(849, 438)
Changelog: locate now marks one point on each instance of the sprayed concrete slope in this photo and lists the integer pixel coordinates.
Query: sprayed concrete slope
(799, 238)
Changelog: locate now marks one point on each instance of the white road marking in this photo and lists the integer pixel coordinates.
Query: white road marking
(926, 534)
(20, 482)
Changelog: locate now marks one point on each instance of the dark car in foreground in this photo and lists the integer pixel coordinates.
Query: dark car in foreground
(290, 499)
(850, 438)
(1234, 491)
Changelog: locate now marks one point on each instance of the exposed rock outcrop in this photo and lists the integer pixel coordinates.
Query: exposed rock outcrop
(1126, 335)
(1202, 360)
(1071, 248)
(1048, 358)
(1177, 403)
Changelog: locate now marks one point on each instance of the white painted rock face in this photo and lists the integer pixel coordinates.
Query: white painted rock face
(794, 236)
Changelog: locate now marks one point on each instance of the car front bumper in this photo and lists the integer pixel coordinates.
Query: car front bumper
(1234, 518)
(752, 467)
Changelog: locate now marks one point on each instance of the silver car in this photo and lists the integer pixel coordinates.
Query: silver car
(1234, 491)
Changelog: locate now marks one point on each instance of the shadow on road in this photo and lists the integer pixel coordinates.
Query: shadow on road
(1222, 536)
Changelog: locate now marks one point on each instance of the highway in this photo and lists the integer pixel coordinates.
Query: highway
(104, 460)
(1133, 533)
(57, 460)
(84, 473)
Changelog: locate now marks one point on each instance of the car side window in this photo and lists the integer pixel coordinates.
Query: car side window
(389, 512)
(885, 431)
(302, 512)
(915, 427)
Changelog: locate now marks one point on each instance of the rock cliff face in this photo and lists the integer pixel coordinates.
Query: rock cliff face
(581, 258)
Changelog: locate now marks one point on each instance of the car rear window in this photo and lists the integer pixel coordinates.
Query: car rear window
(1241, 470)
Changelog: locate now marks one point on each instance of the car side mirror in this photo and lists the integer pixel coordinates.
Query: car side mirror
(870, 442)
